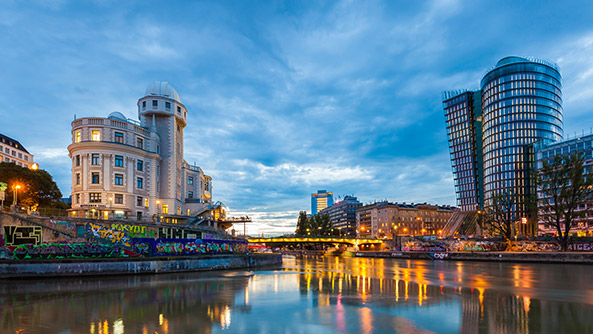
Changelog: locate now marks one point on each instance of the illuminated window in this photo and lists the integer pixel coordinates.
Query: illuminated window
(119, 137)
(146, 202)
(77, 136)
(95, 197)
(118, 199)
(119, 179)
(165, 208)
(119, 161)
(178, 210)
(96, 135)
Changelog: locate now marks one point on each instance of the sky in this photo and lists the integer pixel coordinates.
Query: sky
(284, 98)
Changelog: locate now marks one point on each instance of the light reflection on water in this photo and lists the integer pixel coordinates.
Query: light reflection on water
(312, 295)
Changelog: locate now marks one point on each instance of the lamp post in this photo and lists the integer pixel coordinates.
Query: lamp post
(158, 211)
(110, 207)
(15, 201)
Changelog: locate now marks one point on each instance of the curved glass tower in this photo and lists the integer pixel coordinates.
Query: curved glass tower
(521, 104)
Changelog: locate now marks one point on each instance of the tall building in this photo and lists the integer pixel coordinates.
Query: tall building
(342, 215)
(321, 200)
(386, 219)
(12, 151)
(123, 168)
(521, 104)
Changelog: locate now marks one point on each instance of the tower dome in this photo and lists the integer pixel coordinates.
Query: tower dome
(162, 88)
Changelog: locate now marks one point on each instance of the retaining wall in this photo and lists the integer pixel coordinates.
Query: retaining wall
(538, 257)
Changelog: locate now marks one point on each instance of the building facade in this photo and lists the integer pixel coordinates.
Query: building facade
(321, 200)
(13, 151)
(123, 168)
(546, 152)
(342, 215)
(387, 220)
(521, 103)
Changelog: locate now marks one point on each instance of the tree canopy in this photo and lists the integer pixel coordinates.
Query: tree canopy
(314, 226)
(37, 187)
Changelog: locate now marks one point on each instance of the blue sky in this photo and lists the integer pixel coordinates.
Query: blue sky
(284, 98)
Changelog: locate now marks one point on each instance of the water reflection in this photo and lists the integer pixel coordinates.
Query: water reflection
(312, 295)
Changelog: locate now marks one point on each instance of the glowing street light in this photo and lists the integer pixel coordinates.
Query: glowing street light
(35, 166)
(16, 188)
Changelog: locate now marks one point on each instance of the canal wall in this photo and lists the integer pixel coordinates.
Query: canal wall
(536, 257)
(83, 267)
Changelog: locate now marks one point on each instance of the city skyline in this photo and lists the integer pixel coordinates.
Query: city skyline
(284, 98)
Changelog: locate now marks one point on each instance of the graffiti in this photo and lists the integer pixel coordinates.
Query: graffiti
(581, 247)
(105, 233)
(172, 247)
(440, 256)
(61, 251)
(20, 235)
(63, 224)
(176, 233)
(135, 231)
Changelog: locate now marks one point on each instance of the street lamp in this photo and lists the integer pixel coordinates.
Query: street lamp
(158, 211)
(15, 197)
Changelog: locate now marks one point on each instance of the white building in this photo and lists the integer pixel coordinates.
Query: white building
(12, 151)
(127, 169)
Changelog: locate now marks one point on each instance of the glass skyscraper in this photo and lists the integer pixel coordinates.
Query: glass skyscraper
(521, 104)
(321, 200)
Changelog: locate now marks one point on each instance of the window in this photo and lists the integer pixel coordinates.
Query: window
(167, 105)
(20, 155)
(119, 179)
(6, 150)
(179, 109)
(139, 201)
(77, 178)
(118, 199)
(119, 161)
(140, 143)
(155, 104)
(77, 160)
(96, 135)
(14, 153)
(146, 202)
(77, 198)
(77, 136)
(119, 137)
(95, 197)
(143, 104)
(140, 165)
(165, 208)
(190, 194)
(139, 184)
(94, 159)
(190, 180)
(178, 210)
(95, 178)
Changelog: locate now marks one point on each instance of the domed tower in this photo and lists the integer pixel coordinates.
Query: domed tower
(162, 112)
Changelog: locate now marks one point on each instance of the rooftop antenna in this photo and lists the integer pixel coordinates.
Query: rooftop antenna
(74, 116)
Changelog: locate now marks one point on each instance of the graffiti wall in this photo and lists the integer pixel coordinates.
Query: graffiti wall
(169, 247)
(61, 251)
(136, 231)
(20, 235)
(108, 234)
(176, 233)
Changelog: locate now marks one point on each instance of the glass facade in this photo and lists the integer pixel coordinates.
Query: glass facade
(463, 115)
(521, 105)
(321, 200)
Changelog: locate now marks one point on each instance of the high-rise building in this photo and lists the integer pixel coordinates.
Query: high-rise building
(521, 103)
(13, 151)
(321, 200)
(342, 215)
(123, 168)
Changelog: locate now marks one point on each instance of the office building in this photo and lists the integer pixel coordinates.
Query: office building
(342, 216)
(13, 151)
(387, 220)
(123, 168)
(521, 103)
(321, 200)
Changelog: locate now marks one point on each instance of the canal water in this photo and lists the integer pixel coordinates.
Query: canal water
(312, 295)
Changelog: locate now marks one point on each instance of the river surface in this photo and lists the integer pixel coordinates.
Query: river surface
(312, 295)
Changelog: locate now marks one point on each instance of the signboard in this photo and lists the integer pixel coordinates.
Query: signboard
(3, 186)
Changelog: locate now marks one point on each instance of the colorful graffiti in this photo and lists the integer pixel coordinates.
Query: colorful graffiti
(176, 233)
(168, 247)
(64, 224)
(61, 251)
(135, 231)
(20, 235)
(108, 234)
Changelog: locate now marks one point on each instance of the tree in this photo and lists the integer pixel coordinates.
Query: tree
(302, 224)
(37, 186)
(500, 215)
(564, 186)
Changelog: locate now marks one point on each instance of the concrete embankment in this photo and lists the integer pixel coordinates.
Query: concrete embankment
(538, 257)
(85, 267)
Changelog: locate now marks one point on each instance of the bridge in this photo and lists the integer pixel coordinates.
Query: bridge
(315, 240)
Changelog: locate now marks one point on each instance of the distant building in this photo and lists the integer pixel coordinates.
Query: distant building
(321, 200)
(543, 152)
(342, 215)
(123, 168)
(12, 151)
(386, 219)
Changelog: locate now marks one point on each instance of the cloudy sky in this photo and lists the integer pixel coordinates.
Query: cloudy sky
(284, 98)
